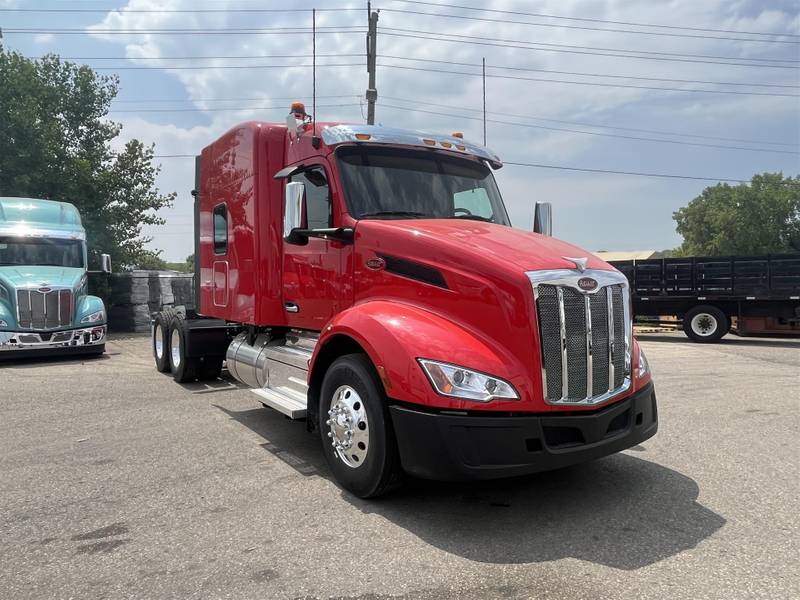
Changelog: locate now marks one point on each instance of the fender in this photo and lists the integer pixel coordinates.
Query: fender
(86, 306)
(394, 334)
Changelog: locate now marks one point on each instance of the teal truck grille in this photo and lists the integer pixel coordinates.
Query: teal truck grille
(44, 310)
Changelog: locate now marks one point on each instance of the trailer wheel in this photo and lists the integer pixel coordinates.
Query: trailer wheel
(184, 369)
(705, 324)
(161, 343)
(357, 436)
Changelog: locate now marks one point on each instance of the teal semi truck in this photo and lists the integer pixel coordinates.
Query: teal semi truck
(45, 306)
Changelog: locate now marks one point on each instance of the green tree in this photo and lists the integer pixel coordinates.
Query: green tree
(761, 217)
(150, 260)
(56, 143)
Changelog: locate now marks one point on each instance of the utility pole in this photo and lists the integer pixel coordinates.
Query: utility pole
(372, 52)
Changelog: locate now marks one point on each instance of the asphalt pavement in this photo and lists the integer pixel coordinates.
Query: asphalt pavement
(115, 482)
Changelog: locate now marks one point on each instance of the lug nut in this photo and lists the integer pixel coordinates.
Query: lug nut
(330, 434)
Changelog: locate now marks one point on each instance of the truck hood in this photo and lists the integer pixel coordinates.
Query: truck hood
(18, 276)
(502, 246)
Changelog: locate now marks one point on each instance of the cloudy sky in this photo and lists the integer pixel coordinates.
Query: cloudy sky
(675, 87)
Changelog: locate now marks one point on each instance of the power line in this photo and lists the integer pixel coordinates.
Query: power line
(184, 31)
(430, 36)
(173, 100)
(597, 133)
(584, 124)
(466, 64)
(595, 83)
(123, 11)
(587, 28)
(224, 67)
(593, 20)
(223, 109)
(204, 57)
(565, 168)
(583, 74)
(636, 173)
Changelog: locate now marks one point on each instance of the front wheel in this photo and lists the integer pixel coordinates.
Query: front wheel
(705, 324)
(357, 436)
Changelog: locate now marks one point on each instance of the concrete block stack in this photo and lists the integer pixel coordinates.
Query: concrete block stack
(135, 295)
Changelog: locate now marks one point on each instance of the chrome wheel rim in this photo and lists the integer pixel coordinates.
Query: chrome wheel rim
(175, 348)
(158, 341)
(704, 324)
(348, 427)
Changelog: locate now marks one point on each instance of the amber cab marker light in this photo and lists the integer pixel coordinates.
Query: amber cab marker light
(446, 144)
(457, 134)
(298, 109)
(363, 136)
(429, 142)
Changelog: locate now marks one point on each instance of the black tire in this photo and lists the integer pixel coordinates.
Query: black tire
(705, 324)
(379, 472)
(210, 368)
(160, 339)
(183, 369)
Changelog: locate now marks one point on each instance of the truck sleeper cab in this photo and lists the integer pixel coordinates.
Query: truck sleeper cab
(368, 280)
(45, 307)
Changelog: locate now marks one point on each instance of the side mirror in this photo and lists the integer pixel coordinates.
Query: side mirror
(543, 218)
(105, 263)
(294, 212)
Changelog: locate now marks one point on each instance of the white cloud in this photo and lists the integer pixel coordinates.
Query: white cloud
(595, 210)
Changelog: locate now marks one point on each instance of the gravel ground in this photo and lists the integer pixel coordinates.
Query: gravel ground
(116, 482)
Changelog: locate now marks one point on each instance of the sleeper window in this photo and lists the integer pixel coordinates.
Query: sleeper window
(220, 229)
(318, 197)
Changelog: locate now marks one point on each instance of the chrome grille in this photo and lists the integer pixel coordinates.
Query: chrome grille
(585, 336)
(44, 310)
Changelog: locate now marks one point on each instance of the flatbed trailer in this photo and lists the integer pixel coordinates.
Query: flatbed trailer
(706, 293)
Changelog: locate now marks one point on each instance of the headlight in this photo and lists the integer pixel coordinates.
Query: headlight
(644, 366)
(458, 382)
(95, 317)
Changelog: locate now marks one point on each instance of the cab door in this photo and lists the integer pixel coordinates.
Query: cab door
(314, 285)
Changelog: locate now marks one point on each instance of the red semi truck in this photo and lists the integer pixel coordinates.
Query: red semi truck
(368, 280)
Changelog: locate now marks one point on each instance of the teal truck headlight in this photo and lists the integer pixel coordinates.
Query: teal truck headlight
(95, 317)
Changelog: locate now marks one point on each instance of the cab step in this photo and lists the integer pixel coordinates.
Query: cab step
(289, 402)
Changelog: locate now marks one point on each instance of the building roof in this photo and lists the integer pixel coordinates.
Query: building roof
(625, 255)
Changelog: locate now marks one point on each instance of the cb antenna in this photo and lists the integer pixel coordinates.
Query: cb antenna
(314, 138)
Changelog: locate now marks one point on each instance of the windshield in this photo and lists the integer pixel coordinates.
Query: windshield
(385, 183)
(41, 251)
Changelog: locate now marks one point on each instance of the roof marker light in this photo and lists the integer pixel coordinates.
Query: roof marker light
(457, 134)
(363, 136)
(461, 147)
(428, 142)
(446, 144)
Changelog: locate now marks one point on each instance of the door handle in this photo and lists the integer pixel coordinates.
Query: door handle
(291, 307)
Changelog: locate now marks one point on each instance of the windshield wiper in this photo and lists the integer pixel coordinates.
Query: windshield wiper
(394, 213)
(473, 218)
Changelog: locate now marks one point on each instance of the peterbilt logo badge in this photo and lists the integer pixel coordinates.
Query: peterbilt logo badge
(376, 263)
(587, 284)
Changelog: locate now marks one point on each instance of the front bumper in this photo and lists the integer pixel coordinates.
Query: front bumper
(455, 447)
(26, 342)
